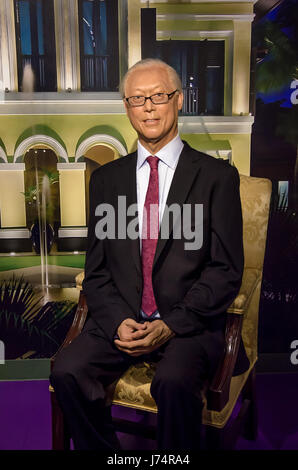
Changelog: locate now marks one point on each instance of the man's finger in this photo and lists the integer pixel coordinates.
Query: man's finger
(137, 344)
(133, 324)
(136, 352)
(138, 334)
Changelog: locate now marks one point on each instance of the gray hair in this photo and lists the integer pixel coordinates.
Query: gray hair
(147, 63)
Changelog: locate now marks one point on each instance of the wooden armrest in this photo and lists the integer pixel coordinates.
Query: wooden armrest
(218, 392)
(76, 326)
(250, 282)
(239, 305)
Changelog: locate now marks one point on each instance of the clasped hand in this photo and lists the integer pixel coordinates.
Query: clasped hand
(142, 338)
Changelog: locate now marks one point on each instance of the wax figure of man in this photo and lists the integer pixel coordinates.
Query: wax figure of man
(150, 297)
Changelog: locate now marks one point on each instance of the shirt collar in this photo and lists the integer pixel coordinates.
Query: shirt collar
(169, 154)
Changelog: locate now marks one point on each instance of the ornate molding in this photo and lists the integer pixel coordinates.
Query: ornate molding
(3, 155)
(40, 139)
(99, 139)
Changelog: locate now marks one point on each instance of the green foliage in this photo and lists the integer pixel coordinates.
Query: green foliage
(30, 195)
(27, 323)
(280, 65)
(33, 196)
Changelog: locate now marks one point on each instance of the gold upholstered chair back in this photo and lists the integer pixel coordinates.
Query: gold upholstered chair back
(255, 200)
(255, 196)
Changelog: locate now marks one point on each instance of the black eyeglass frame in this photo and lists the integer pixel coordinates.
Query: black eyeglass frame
(169, 95)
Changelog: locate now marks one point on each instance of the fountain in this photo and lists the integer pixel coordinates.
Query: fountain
(43, 195)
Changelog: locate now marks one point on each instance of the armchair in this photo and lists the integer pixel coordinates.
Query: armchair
(132, 390)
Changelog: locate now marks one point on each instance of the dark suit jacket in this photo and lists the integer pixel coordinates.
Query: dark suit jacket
(193, 288)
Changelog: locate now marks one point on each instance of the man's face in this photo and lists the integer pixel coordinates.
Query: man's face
(155, 124)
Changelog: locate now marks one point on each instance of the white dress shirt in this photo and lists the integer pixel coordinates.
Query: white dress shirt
(168, 159)
(168, 156)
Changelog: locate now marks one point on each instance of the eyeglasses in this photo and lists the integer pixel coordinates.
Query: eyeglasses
(158, 98)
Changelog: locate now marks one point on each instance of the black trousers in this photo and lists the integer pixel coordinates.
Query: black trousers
(91, 362)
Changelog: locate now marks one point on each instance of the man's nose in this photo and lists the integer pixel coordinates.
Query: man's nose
(148, 105)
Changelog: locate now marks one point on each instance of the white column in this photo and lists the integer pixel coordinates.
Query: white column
(8, 58)
(67, 44)
(241, 67)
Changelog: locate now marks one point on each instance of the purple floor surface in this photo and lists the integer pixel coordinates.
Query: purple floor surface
(26, 416)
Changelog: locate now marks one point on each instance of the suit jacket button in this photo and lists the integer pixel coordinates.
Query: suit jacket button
(138, 289)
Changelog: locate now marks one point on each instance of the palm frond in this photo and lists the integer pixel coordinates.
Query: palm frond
(26, 322)
(280, 65)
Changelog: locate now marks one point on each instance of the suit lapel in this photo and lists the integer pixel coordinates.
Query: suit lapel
(184, 176)
(129, 175)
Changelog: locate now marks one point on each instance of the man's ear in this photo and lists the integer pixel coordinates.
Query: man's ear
(180, 100)
(125, 105)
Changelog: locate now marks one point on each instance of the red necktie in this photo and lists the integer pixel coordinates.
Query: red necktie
(150, 231)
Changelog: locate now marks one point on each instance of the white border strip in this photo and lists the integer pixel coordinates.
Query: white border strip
(12, 166)
(193, 34)
(73, 232)
(71, 166)
(61, 107)
(156, 2)
(211, 125)
(196, 17)
(7, 233)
